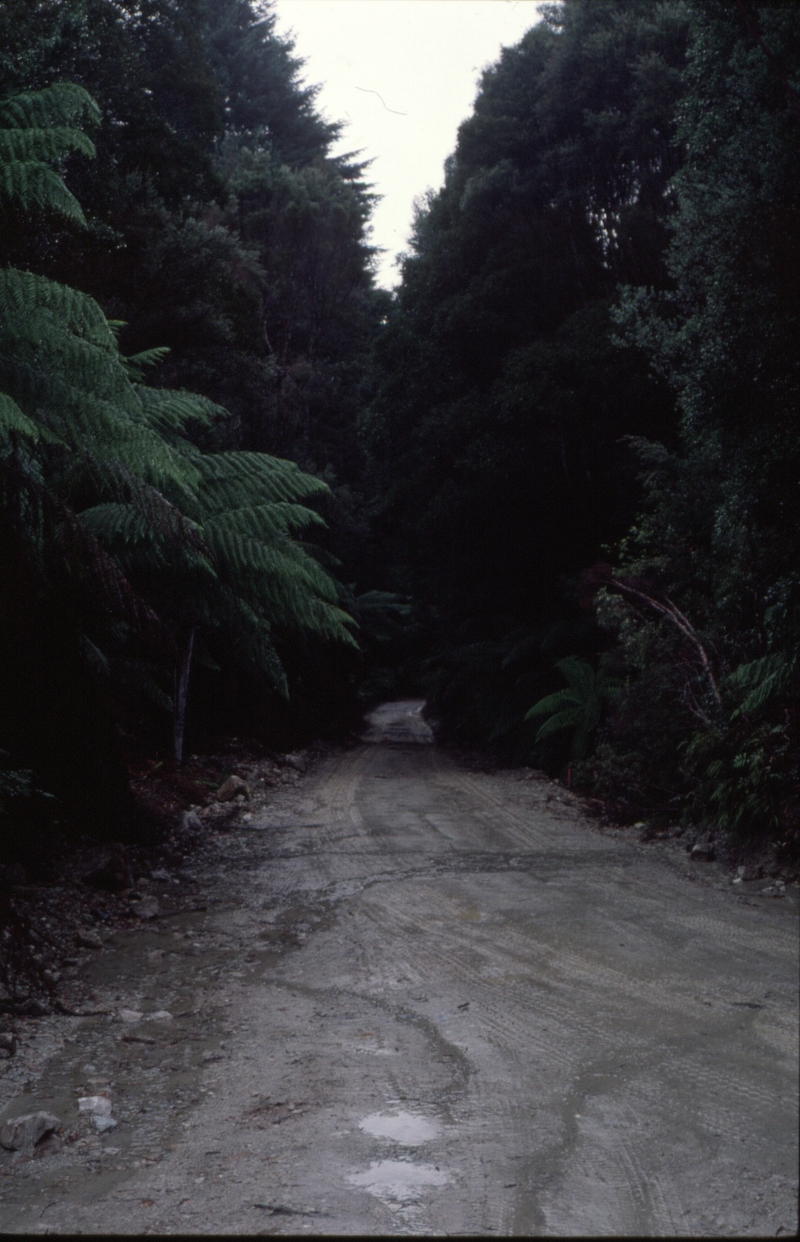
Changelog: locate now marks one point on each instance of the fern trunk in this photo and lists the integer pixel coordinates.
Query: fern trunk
(181, 696)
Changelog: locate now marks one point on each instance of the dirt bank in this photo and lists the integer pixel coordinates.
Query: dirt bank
(424, 999)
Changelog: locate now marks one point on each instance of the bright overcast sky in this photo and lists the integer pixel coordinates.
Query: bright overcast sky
(402, 75)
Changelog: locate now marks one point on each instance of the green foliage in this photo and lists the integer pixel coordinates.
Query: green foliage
(503, 397)
(99, 477)
(37, 130)
(577, 708)
(719, 531)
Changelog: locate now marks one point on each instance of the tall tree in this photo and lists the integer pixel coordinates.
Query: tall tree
(505, 395)
(721, 529)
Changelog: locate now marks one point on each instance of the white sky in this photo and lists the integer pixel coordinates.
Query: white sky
(424, 59)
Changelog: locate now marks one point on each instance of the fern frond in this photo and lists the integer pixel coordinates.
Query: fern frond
(12, 419)
(578, 674)
(39, 145)
(172, 408)
(283, 568)
(63, 103)
(235, 479)
(561, 700)
(570, 718)
(22, 293)
(32, 184)
(264, 521)
(134, 364)
(249, 635)
(112, 521)
(761, 679)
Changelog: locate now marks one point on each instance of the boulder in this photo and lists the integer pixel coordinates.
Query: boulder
(230, 788)
(23, 1133)
(703, 851)
(147, 908)
(98, 1105)
(129, 1015)
(298, 761)
(88, 940)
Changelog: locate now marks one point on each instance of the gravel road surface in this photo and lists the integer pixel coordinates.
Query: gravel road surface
(423, 999)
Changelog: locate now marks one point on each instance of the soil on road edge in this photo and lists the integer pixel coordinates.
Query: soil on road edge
(422, 999)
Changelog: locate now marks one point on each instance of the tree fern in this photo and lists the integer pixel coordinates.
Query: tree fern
(201, 541)
(579, 707)
(37, 130)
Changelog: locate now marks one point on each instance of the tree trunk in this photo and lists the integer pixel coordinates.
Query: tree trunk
(181, 695)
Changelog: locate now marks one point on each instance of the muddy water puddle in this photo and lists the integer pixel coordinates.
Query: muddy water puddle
(154, 1069)
(408, 1129)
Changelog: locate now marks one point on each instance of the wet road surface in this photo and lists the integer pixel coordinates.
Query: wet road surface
(430, 1000)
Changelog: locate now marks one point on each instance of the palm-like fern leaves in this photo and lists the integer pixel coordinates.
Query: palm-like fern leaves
(37, 130)
(578, 707)
(209, 540)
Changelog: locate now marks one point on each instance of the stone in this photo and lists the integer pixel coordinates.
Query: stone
(774, 890)
(160, 1015)
(101, 1124)
(703, 851)
(160, 874)
(147, 908)
(8, 1043)
(99, 1105)
(298, 761)
(750, 871)
(33, 1008)
(230, 788)
(129, 1015)
(88, 940)
(191, 822)
(23, 1133)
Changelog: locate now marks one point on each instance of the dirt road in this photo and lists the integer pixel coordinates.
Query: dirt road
(430, 1000)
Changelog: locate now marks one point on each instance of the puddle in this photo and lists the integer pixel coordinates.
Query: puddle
(398, 1179)
(410, 1129)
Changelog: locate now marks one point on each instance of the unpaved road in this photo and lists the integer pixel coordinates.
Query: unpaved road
(431, 1001)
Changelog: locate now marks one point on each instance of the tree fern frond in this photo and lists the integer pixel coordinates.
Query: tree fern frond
(111, 521)
(578, 674)
(63, 103)
(250, 636)
(32, 184)
(234, 479)
(38, 145)
(264, 521)
(284, 568)
(22, 292)
(569, 718)
(134, 364)
(761, 679)
(12, 419)
(561, 700)
(172, 408)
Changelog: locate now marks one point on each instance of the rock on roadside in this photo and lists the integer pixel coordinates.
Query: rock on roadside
(231, 788)
(23, 1133)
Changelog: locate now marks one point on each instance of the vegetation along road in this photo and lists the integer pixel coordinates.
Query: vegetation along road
(426, 999)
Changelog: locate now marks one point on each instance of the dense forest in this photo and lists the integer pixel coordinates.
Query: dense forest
(551, 482)
(586, 417)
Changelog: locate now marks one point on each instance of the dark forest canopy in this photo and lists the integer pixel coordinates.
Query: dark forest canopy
(199, 296)
(570, 436)
(587, 418)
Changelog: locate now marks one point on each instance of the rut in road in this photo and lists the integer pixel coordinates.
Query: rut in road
(478, 1014)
